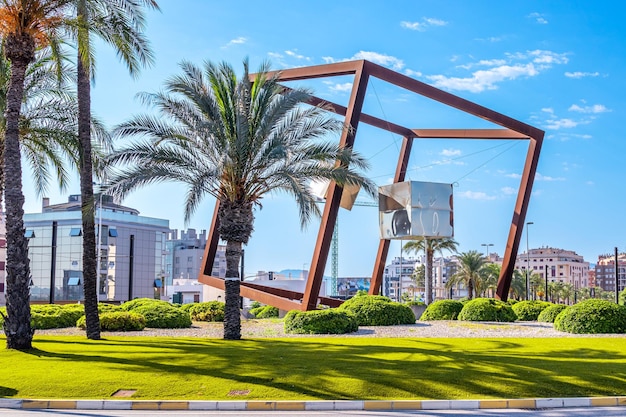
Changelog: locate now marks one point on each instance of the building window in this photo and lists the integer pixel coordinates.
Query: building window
(177, 260)
(190, 259)
(73, 281)
(28, 234)
(75, 231)
(112, 232)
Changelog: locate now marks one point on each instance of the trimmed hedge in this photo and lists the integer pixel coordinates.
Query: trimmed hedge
(207, 311)
(549, 313)
(328, 321)
(529, 310)
(141, 302)
(118, 321)
(487, 309)
(442, 310)
(265, 312)
(592, 316)
(378, 310)
(55, 316)
(159, 314)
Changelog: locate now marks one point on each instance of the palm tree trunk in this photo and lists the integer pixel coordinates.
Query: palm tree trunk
(232, 315)
(470, 289)
(86, 191)
(19, 333)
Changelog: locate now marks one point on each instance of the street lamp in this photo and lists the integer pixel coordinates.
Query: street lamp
(487, 244)
(527, 263)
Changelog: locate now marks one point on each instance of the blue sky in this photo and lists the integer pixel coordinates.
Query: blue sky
(556, 65)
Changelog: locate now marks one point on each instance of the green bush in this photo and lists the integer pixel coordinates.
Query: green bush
(255, 304)
(512, 301)
(162, 315)
(442, 310)
(487, 309)
(328, 321)
(185, 307)
(378, 310)
(118, 321)
(549, 313)
(415, 303)
(207, 311)
(592, 316)
(3, 313)
(54, 316)
(141, 302)
(529, 310)
(108, 308)
(266, 312)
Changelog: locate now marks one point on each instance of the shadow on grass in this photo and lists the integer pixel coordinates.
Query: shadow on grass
(7, 392)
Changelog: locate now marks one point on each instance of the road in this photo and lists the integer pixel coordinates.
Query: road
(555, 412)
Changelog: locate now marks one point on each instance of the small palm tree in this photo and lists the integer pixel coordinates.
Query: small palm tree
(491, 274)
(429, 246)
(517, 289)
(237, 141)
(469, 272)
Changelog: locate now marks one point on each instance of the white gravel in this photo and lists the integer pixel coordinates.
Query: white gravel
(274, 329)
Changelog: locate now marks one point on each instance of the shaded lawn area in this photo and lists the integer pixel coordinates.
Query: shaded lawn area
(315, 368)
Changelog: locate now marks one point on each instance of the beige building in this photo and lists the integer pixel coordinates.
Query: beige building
(561, 265)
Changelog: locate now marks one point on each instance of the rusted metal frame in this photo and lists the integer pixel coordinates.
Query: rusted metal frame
(505, 134)
(451, 100)
(329, 217)
(519, 217)
(383, 245)
(316, 71)
(211, 246)
(293, 295)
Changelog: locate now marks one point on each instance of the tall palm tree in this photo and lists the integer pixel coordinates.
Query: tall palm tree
(24, 24)
(518, 285)
(469, 272)
(429, 246)
(491, 274)
(119, 23)
(235, 140)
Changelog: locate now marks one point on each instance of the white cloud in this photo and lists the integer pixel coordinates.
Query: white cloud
(475, 195)
(540, 177)
(578, 74)
(484, 79)
(516, 176)
(328, 59)
(341, 88)
(549, 110)
(590, 183)
(564, 123)
(596, 108)
(424, 24)
(274, 55)
(237, 41)
(539, 18)
(412, 73)
(451, 152)
(294, 54)
(381, 59)
(509, 190)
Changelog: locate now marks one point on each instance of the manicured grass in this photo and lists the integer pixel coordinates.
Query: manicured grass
(315, 368)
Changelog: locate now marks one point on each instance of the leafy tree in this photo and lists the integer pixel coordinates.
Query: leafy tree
(429, 246)
(489, 281)
(518, 285)
(119, 23)
(469, 273)
(24, 25)
(236, 140)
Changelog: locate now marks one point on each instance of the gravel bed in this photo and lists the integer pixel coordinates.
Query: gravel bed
(274, 329)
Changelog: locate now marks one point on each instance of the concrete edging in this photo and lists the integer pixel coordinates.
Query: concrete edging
(313, 405)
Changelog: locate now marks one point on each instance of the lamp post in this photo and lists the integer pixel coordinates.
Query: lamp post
(527, 263)
(487, 244)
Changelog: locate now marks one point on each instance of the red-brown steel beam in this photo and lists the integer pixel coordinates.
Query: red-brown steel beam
(519, 217)
(211, 246)
(468, 134)
(383, 245)
(333, 198)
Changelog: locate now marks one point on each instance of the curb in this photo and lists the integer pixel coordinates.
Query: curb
(313, 405)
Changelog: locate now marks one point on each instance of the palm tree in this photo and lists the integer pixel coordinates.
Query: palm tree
(518, 285)
(536, 284)
(24, 24)
(429, 246)
(235, 140)
(119, 23)
(470, 269)
(491, 273)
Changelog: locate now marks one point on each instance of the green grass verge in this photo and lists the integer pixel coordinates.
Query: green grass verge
(315, 368)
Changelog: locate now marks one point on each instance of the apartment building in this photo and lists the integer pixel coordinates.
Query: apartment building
(561, 265)
(605, 271)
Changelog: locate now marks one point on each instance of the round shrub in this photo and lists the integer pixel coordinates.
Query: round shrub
(549, 313)
(512, 301)
(3, 313)
(108, 308)
(487, 309)
(266, 312)
(162, 315)
(141, 302)
(207, 311)
(255, 304)
(185, 307)
(592, 316)
(118, 321)
(529, 310)
(442, 310)
(53, 316)
(377, 310)
(328, 321)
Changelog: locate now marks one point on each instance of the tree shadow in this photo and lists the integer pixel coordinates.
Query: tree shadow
(7, 392)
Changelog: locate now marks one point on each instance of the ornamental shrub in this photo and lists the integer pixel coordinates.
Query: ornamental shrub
(141, 302)
(592, 316)
(162, 315)
(512, 301)
(118, 321)
(3, 313)
(442, 310)
(54, 316)
(207, 311)
(255, 304)
(328, 321)
(378, 310)
(108, 308)
(549, 313)
(529, 310)
(487, 309)
(266, 312)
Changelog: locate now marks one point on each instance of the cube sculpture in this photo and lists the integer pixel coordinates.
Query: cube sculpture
(413, 209)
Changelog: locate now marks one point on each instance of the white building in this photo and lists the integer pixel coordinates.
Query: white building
(397, 278)
(561, 265)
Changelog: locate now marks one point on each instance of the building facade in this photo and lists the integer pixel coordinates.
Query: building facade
(605, 272)
(131, 252)
(397, 278)
(561, 265)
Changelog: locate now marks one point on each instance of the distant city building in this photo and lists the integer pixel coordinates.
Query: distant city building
(348, 286)
(605, 271)
(562, 265)
(131, 252)
(397, 277)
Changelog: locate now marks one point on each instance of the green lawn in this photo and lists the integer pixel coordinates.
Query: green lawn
(315, 368)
